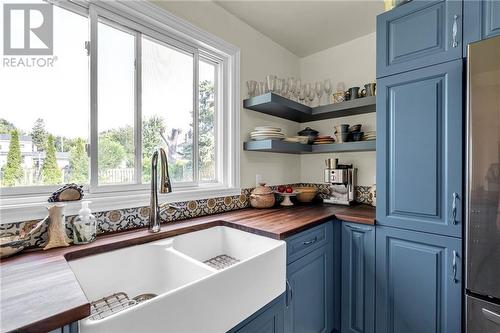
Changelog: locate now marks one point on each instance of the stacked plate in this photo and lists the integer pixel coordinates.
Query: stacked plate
(321, 140)
(372, 135)
(266, 133)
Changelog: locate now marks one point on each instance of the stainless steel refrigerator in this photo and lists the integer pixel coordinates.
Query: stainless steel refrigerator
(483, 188)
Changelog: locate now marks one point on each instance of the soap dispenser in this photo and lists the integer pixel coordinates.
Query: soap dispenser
(85, 225)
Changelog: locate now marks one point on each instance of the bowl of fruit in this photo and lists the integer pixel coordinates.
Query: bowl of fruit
(286, 192)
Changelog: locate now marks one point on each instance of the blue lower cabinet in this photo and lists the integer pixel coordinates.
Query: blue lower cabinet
(418, 282)
(269, 319)
(358, 278)
(309, 301)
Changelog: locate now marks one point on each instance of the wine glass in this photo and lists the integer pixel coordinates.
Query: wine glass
(340, 87)
(319, 91)
(302, 94)
(279, 86)
(261, 88)
(271, 82)
(251, 85)
(327, 84)
(284, 92)
(311, 97)
(291, 85)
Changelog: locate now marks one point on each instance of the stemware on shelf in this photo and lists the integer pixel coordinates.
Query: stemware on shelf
(251, 86)
(279, 86)
(302, 94)
(327, 84)
(319, 91)
(311, 96)
(271, 82)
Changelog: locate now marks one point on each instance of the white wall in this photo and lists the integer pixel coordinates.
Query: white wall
(259, 56)
(354, 64)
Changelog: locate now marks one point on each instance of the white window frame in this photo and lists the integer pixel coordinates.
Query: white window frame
(22, 203)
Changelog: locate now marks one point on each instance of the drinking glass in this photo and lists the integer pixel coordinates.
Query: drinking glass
(319, 91)
(302, 94)
(251, 85)
(311, 96)
(279, 86)
(291, 85)
(284, 92)
(261, 88)
(271, 82)
(327, 84)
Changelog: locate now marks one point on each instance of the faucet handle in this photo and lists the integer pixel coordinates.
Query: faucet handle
(166, 205)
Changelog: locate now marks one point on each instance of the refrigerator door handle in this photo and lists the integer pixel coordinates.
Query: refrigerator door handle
(454, 266)
(491, 316)
(454, 208)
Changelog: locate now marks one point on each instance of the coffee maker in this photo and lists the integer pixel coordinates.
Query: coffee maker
(342, 180)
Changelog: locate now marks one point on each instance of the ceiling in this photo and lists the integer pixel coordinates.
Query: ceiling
(306, 27)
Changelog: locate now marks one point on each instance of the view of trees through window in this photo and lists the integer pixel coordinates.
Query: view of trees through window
(45, 114)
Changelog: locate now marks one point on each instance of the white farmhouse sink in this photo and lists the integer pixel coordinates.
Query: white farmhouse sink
(192, 296)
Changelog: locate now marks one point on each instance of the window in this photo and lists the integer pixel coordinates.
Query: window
(118, 90)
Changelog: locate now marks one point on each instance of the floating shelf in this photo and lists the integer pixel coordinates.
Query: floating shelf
(282, 107)
(279, 146)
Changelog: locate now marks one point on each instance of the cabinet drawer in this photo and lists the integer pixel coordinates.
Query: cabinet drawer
(307, 241)
(418, 34)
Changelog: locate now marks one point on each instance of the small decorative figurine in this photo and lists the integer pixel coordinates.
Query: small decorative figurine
(57, 228)
(69, 192)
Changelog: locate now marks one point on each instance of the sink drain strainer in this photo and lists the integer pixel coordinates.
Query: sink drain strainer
(221, 261)
(112, 304)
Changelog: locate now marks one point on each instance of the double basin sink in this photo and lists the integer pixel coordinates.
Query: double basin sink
(204, 281)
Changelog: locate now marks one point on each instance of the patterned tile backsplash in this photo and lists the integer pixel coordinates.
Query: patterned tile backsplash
(132, 218)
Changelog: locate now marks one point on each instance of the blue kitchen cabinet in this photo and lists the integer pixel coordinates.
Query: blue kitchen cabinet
(418, 282)
(269, 319)
(481, 20)
(358, 278)
(419, 149)
(309, 301)
(418, 34)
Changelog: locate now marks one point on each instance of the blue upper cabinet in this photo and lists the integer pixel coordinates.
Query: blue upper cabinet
(481, 20)
(418, 282)
(358, 283)
(418, 34)
(419, 149)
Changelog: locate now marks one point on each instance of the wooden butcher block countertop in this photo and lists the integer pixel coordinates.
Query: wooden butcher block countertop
(39, 291)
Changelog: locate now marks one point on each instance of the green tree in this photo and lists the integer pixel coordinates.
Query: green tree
(6, 126)
(13, 171)
(206, 142)
(51, 174)
(125, 137)
(79, 163)
(39, 134)
(152, 131)
(111, 153)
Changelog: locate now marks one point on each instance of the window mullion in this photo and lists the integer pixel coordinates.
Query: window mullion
(138, 109)
(94, 173)
(196, 113)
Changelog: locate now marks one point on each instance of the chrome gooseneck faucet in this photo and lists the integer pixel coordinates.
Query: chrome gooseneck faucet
(165, 187)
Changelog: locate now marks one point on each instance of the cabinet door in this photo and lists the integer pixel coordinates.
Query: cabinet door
(481, 20)
(419, 150)
(268, 321)
(418, 34)
(418, 282)
(358, 278)
(309, 301)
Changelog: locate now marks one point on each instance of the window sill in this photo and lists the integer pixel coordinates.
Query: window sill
(31, 208)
